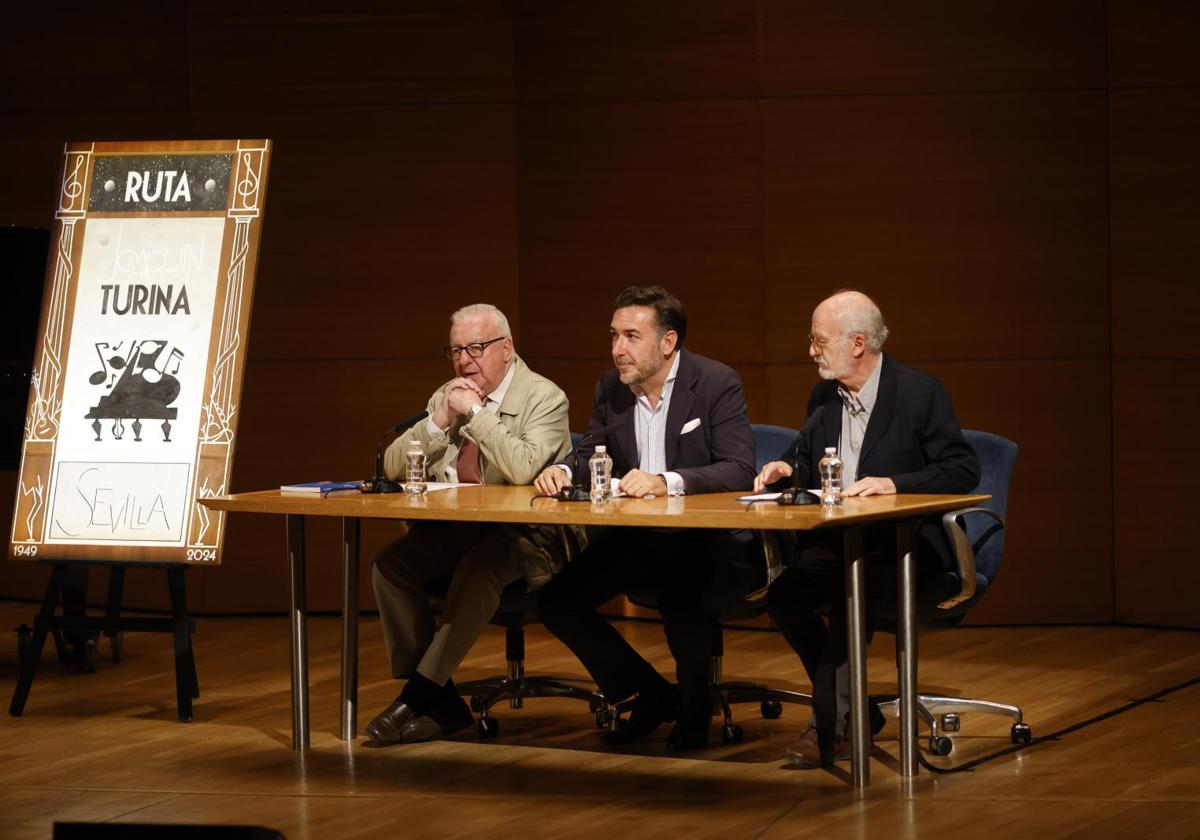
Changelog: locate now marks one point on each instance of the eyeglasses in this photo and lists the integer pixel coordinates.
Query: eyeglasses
(822, 343)
(474, 350)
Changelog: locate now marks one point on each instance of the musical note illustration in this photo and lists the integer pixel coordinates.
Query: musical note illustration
(141, 384)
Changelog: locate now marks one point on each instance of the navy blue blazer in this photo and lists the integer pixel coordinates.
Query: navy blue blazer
(913, 437)
(713, 457)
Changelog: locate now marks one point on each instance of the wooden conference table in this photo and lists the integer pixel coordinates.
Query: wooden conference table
(502, 503)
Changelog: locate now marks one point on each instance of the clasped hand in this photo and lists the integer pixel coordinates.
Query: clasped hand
(461, 396)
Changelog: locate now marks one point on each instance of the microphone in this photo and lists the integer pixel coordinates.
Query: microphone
(796, 496)
(381, 483)
(575, 491)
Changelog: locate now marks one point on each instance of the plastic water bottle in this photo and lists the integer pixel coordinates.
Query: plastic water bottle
(831, 478)
(601, 466)
(414, 469)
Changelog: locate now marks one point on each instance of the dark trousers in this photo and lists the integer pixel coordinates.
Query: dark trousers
(691, 574)
(808, 604)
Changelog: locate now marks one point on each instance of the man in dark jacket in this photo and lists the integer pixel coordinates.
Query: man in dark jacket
(895, 430)
(673, 423)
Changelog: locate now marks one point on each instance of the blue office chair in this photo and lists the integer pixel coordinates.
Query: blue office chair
(977, 536)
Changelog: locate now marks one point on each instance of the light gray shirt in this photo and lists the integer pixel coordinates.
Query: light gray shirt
(856, 414)
(650, 428)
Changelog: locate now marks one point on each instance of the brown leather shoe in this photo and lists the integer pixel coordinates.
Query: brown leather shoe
(444, 719)
(424, 728)
(388, 725)
(806, 752)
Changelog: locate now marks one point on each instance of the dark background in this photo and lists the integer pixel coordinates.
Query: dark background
(1016, 183)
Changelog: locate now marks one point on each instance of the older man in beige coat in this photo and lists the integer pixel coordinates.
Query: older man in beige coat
(496, 422)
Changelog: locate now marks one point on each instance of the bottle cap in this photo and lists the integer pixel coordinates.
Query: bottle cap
(601, 449)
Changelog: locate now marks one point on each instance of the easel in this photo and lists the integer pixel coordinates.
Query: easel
(74, 621)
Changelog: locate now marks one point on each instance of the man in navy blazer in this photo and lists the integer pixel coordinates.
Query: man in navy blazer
(896, 432)
(673, 423)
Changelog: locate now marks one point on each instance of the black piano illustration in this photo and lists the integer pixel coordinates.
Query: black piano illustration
(140, 379)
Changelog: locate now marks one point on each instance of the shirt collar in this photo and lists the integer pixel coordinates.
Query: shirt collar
(667, 384)
(865, 399)
(497, 396)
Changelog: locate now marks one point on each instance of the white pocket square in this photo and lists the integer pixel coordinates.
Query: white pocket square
(689, 425)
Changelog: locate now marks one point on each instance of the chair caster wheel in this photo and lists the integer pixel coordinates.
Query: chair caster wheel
(771, 709)
(603, 718)
(488, 727)
(941, 745)
(1022, 733)
(951, 722)
(731, 733)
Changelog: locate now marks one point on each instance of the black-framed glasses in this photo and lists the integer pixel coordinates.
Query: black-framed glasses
(474, 350)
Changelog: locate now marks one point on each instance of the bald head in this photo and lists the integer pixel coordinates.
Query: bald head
(847, 337)
(853, 312)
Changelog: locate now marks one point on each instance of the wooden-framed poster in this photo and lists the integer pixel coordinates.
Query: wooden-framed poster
(133, 403)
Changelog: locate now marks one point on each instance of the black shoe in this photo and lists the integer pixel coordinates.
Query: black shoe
(878, 721)
(388, 725)
(688, 736)
(645, 716)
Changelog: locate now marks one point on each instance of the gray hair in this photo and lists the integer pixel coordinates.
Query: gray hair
(483, 309)
(860, 314)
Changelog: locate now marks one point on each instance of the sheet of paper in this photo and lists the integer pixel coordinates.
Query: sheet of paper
(433, 486)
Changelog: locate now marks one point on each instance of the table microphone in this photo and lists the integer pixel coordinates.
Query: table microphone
(381, 483)
(575, 491)
(794, 495)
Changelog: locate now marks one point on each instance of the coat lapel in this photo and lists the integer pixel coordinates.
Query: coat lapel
(881, 414)
(626, 433)
(683, 397)
(515, 399)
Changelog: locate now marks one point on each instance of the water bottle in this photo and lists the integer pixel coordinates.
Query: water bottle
(831, 478)
(601, 466)
(414, 470)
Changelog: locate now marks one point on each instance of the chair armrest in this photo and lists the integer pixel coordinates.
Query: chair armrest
(964, 552)
(772, 559)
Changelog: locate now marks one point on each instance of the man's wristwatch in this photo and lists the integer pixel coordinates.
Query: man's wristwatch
(475, 409)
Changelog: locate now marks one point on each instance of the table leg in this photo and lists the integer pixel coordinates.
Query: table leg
(906, 660)
(860, 728)
(299, 626)
(349, 719)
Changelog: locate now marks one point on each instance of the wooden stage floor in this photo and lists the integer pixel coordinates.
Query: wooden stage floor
(106, 746)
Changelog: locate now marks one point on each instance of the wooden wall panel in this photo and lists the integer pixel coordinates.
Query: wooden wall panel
(321, 55)
(1155, 215)
(630, 50)
(812, 48)
(1154, 462)
(36, 139)
(977, 221)
(94, 57)
(412, 207)
(1058, 548)
(1152, 43)
(617, 194)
